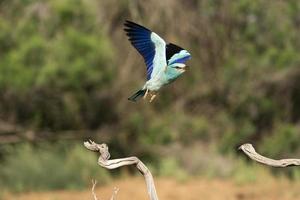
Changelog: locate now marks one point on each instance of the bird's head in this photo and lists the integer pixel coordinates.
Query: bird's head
(176, 64)
(175, 70)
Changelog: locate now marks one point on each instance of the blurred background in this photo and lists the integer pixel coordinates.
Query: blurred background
(67, 68)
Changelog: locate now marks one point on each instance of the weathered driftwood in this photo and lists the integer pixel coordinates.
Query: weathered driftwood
(249, 150)
(104, 161)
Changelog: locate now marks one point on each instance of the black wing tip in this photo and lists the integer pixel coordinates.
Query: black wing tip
(174, 46)
(127, 30)
(132, 25)
(172, 49)
(128, 22)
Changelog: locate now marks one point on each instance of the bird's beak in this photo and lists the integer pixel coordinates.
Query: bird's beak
(186, 67)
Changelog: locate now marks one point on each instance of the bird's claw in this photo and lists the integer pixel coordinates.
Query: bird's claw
(146, 94)
(151, 93)
(152, 97)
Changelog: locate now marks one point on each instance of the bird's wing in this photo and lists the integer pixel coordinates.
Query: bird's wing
(176, 54)
(149, 45)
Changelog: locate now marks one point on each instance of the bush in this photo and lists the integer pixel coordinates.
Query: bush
(58, 166)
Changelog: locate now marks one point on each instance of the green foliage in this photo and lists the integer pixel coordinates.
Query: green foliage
(52, 58)
(67, 65)
(245, 173)
(283, 143)
(49, 167)
(170, 167)
(59, 69)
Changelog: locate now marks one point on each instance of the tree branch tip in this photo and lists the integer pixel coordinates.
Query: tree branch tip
(94, 182)
(246, 146)
(250, 151)
(116, 190)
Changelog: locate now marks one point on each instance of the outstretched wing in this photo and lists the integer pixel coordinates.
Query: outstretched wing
(149, 45)
(176, 54)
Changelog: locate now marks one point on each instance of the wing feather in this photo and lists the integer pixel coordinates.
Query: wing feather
(176, 54)
(149, 45)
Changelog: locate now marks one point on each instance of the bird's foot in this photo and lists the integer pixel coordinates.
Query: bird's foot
(152, 97)
(146, 94)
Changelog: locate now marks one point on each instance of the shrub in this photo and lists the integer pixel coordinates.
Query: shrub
(51, 167)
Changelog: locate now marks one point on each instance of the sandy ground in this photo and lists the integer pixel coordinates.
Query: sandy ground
(169, 189)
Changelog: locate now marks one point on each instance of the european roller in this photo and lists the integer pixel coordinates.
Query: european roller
(164, 62)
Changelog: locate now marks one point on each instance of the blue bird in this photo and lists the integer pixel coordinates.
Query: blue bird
(164, 62)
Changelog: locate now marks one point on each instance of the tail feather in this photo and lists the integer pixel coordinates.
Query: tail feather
(136, 96)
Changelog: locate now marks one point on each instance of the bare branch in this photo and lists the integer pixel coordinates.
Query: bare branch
(93, 189)
(113, 196)
(249, 150)
(104, 161)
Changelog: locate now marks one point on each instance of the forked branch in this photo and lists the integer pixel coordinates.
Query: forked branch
(249, 150)
(113, 196)
(104, 161)
(93, 189)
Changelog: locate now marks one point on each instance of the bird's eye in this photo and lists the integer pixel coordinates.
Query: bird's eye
(177, 67)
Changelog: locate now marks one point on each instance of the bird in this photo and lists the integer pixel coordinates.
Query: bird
(164, 62)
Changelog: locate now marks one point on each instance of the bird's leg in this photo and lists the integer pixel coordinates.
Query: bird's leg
(145, 95)
(152, 97)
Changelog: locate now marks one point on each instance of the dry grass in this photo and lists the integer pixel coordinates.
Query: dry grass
(169, 189)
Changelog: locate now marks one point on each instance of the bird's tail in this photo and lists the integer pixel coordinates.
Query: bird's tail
(136, 96)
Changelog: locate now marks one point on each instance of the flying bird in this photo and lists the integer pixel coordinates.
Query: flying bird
(164, 62)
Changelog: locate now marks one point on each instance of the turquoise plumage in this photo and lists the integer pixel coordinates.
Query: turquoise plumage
(164, 62)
